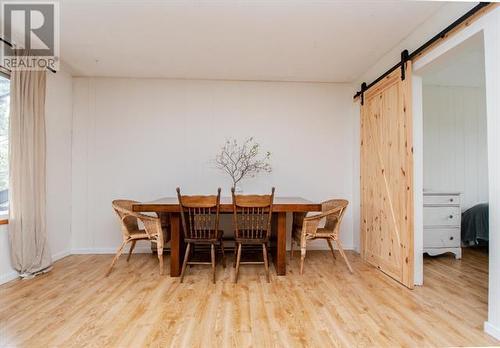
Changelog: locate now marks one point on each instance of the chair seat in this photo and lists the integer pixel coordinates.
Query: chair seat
(140, 234)
(251, 237)
(251, 241)
(220, 233)
(324, 233)
(320, 233)
(307, 227)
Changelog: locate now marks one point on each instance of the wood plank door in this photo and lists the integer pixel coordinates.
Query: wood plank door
(387, 177)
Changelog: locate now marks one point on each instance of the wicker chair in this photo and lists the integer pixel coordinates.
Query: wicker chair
(252, 225)
(306, 228)
(200, 222)
(131, 233)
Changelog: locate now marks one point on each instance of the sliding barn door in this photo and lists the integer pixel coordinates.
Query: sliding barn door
(387, 177)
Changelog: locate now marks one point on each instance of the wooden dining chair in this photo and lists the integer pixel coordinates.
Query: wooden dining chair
(307, 228)
(200, 223)
(252, 225)
(131, 232)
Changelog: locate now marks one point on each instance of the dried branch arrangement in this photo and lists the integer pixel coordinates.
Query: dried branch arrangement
(242, 160)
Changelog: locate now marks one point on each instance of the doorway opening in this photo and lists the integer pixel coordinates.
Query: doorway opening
(455, 163)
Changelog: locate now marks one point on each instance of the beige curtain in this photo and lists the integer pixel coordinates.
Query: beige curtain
(27, 229)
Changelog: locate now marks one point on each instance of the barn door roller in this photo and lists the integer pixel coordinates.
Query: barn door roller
(405, 56)
(363, 89)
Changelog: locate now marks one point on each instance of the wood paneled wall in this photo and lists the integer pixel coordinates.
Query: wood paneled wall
(455, 142)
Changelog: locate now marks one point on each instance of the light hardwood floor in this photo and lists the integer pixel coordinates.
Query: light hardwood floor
(75, 305)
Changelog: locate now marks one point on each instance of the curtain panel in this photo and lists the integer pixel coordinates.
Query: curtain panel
(27, 188)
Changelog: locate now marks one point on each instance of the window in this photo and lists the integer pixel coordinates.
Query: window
(4, 142)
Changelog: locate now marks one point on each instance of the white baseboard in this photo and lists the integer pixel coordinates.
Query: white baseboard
(83, 251)
(323, 247)
(7, 277)
(138, 250)
(492, 330)
(147, 250)
(60, 255)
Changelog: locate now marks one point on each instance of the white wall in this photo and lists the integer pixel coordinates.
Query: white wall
(455, 142)
(491, 26)
(58, 123)
(356, 186)
(447, 14)
(7, 273)
(140, 138)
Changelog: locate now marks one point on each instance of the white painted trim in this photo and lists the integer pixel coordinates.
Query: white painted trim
(418, 180)
(147, 250)
(84, 251)
(489, 25)
(492, 330)
(7, 277)
(324, 247)
(439, 251)
(60, 255)
(455, 40)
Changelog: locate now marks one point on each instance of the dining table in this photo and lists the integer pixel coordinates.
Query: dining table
(281, 206)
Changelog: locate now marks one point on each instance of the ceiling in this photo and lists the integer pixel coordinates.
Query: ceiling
(301, 40)
(461, 66)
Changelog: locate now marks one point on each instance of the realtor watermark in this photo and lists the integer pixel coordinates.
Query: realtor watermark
(30, 35)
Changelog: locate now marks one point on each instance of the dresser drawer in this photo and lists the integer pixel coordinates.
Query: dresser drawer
(442, 216)
(441, 237)
(430, 199)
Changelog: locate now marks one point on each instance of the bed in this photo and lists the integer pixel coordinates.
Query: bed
(475, 229)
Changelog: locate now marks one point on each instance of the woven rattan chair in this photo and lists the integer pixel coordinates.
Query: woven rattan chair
(200, 223)
(306, 228)
(152, 230)
(165, 226)
(252, 225)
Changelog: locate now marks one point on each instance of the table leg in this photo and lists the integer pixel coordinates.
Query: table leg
(176, 245)
(280, 253)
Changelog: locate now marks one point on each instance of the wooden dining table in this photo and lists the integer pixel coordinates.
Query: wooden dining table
(281, 206)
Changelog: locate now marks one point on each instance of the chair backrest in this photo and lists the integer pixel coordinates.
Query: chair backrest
(252, 215)
(123, 208)
(150, 225)
(332, 221)
(199, 215)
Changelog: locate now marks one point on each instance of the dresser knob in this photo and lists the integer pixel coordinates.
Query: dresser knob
(451, 216)
(451, 199)
(451, 238)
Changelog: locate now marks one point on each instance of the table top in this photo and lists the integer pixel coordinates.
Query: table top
(280, 205)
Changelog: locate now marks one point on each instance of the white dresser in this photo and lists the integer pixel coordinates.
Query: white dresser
(442, 218)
